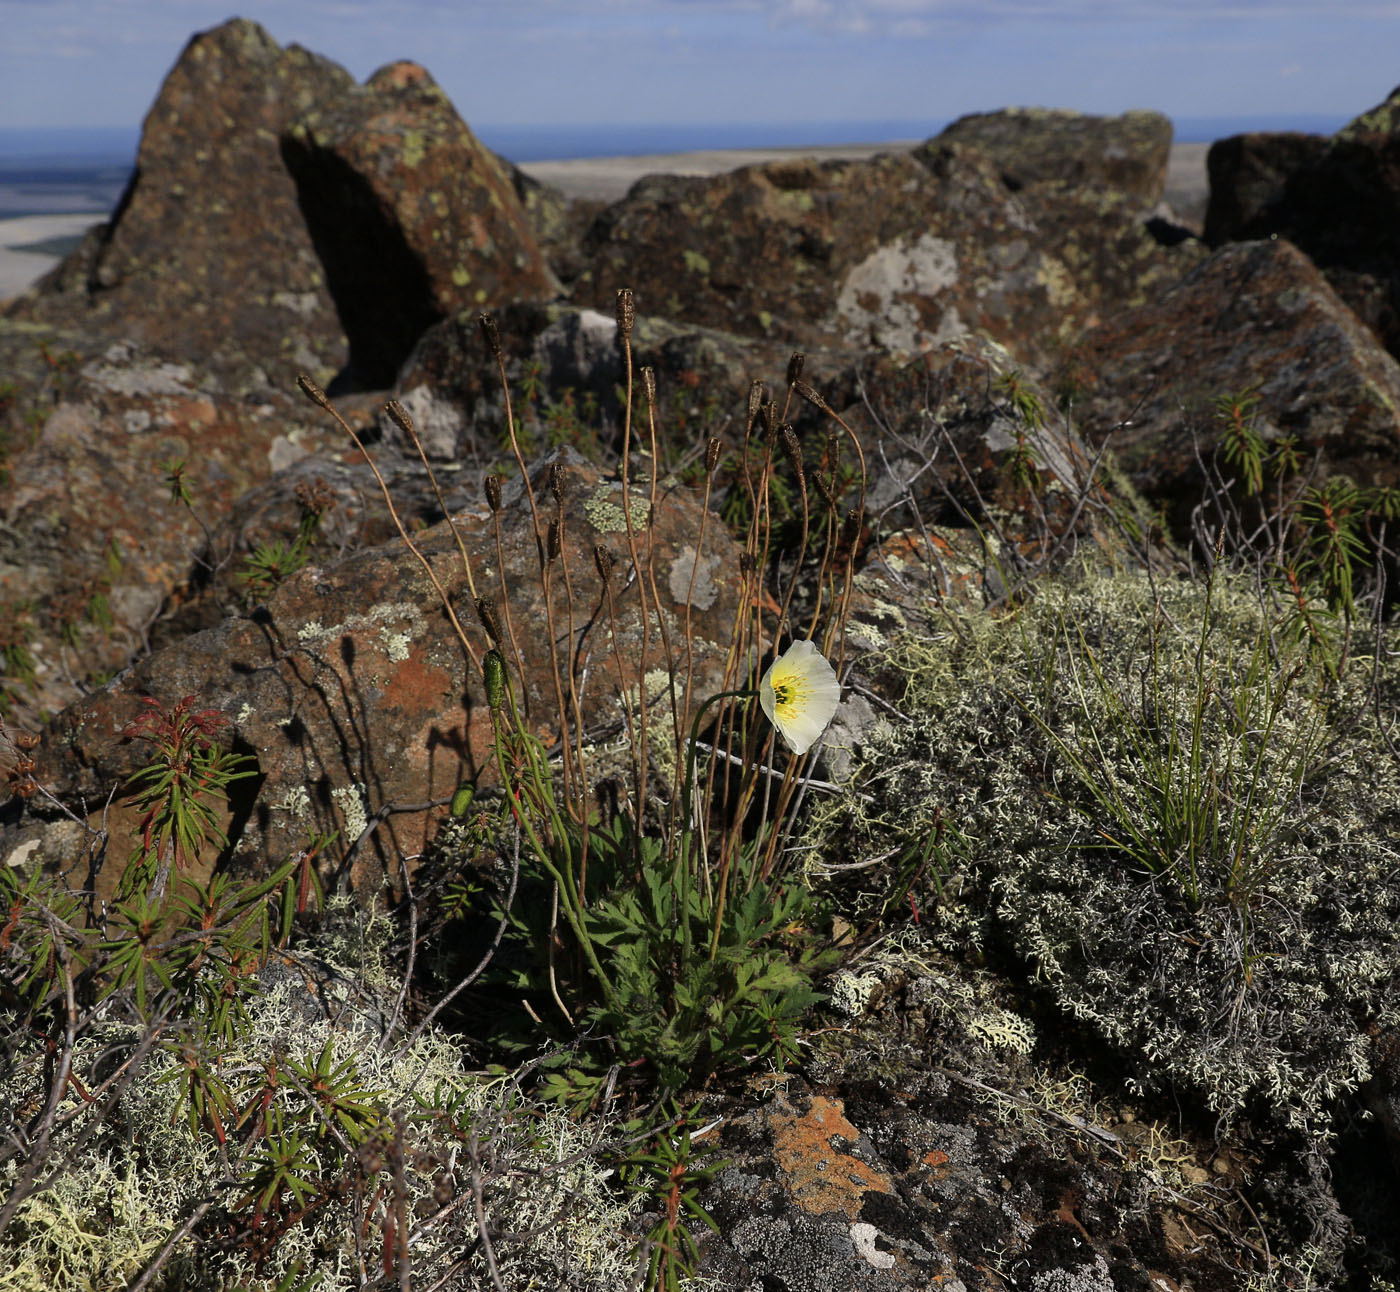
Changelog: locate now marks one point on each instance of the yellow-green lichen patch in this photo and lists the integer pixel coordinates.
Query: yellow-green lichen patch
(696, 263)
(414, 148)
(604, 510)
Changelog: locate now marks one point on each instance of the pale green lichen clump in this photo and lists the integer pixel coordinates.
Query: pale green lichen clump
(134, 1181)
(604, 510)
(1034, 735)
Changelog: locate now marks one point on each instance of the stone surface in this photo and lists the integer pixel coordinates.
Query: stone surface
(92, 545)
(903, 251)
(1249, 174)
(1338, 200)
(412, 217)
(916, 1142)
(1256, 316)
(1034, 145)
(207, 258)
(353, 693)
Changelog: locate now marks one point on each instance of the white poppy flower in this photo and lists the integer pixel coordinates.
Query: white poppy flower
(799, 693)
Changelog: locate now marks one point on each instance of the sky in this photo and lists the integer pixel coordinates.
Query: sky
(82, 63)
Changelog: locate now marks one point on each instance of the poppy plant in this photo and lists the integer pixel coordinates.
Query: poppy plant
(799, 693)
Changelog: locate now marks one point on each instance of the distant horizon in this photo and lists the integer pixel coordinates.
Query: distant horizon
(57, 147)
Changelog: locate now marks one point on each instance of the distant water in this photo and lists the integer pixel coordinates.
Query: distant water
(81, 171)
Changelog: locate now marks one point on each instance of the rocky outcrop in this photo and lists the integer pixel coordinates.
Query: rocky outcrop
(282, 219)
(207, 258)
(1337, 199)
(107, 516)
(1249, 175)
(902, 252)
(1256, 317)
(1032, 146)
(354, 695)
(413, 219)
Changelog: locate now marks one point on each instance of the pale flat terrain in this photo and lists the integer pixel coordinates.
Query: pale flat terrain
(599, 178)
(19, 267)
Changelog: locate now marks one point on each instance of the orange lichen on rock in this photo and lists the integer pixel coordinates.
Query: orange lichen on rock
(822, 1178)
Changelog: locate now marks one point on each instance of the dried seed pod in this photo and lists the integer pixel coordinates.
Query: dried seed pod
(398, 414)
(792, 450)
(755, 399)
(603, 559)
(493, 674)
(556, 482)
(850, 528)
(713, 448)
(554, 543)
(831, 454)
(492, 485)
(486, 612)
(312, 391)
(794, 369)
(768, 412)
(626, 315)
(490, 334)
(649, 385)
(811, 396)
(25, 739)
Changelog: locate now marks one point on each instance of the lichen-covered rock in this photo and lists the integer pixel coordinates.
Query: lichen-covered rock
(353, 693)
(93, 541)
(1338, 200)
(1034, 145)
(902, 252)
(1259, 317)
(909, 1147)
(412, 217)
(207, 258)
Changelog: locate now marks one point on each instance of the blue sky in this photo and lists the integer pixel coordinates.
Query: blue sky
(100, 62)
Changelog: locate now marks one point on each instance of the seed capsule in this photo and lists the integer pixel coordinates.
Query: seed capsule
(755, 399)
(492, 485)
(312, 391)
(811, 396)
(626, 315)
(603, 559)
(712, 451)
(398, 414)
(792, 450)
(486, 612)
(490, 334)
(794, 369)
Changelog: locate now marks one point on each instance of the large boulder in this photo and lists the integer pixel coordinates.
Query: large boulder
(354, 696)
(1248, 176)
(412, 217)
(1256, 317)
(902, 251)
(207, 259)
(1128, 153)
(1337, 199)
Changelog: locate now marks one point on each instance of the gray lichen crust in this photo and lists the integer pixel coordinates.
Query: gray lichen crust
(1180, 825)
